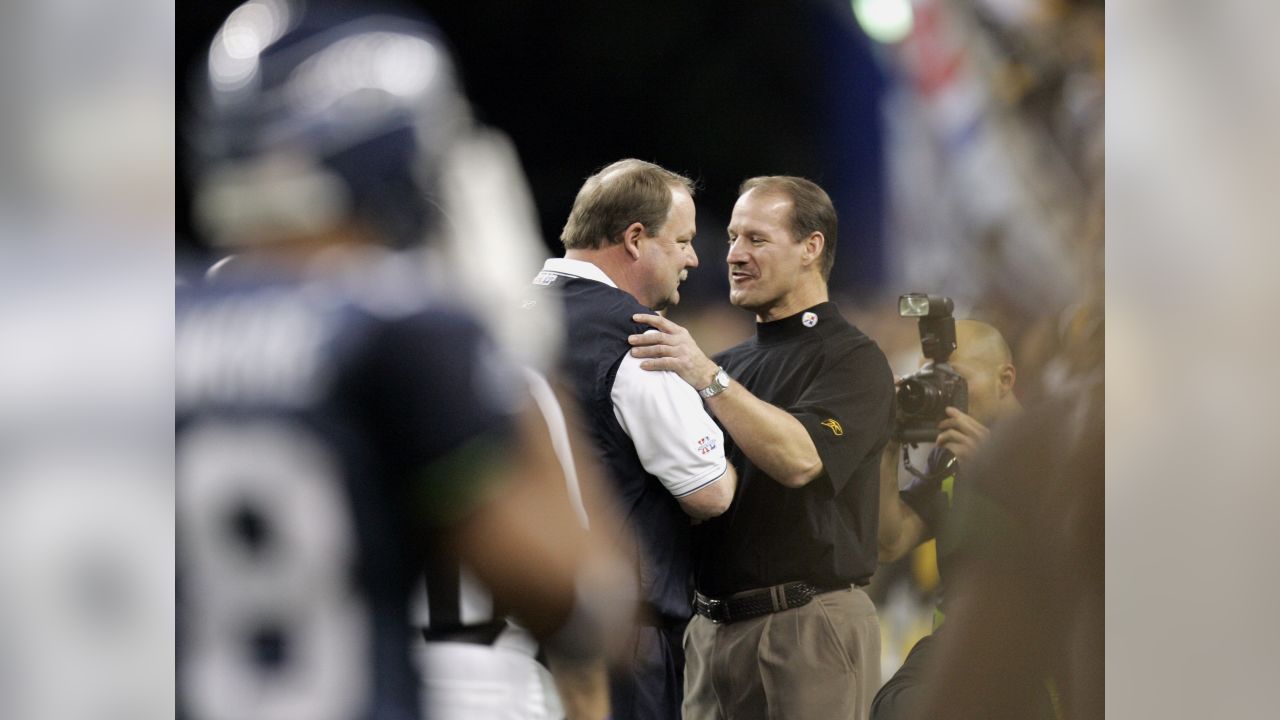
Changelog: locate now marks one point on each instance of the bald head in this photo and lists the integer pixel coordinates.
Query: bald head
(981, 344)
(982, 357)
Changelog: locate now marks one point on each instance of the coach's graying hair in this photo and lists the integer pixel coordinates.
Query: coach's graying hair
(625, 192)
(811, 210)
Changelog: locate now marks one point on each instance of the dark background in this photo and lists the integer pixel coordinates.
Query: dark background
(717, 90)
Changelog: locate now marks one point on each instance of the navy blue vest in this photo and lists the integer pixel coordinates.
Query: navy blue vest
(599, 320)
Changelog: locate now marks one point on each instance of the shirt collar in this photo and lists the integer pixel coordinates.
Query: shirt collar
(802, 323)
(577, 268)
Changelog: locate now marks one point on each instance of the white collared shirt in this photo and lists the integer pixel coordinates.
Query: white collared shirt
(675, 438)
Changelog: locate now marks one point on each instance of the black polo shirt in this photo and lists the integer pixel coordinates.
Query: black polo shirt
(837, 383)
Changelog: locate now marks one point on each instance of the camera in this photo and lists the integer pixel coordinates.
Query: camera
(924, 396)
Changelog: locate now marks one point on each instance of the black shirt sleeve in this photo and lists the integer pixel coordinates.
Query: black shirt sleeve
(847, 410)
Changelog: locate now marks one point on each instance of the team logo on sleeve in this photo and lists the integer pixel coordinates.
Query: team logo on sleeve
(834, 426)
(706, 445)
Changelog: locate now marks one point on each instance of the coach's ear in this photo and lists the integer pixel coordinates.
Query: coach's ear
(813, 247)
(631, 238)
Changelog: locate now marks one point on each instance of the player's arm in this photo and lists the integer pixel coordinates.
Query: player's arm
(492, 486)
(771, 437)
(675, 439)
(901, 528)
(583, 687)
(527, 545)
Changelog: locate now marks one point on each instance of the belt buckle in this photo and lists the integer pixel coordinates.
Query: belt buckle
(718, 608)
(714, 608)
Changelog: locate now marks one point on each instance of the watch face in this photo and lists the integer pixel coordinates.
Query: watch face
(718, 383)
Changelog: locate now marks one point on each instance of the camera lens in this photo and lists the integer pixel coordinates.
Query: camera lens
(916, 397)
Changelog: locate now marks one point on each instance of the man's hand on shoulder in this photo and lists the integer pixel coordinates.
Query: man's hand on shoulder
(962, 434)
(672, 348)
(769, 436)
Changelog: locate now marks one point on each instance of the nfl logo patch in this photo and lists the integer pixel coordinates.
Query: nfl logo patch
(706, 445)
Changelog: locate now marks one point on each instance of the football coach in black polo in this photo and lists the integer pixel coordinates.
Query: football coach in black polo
(782, 627)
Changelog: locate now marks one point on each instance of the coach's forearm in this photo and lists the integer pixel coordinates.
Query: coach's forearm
(772, 439)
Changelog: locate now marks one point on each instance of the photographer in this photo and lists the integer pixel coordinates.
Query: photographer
(917, 513)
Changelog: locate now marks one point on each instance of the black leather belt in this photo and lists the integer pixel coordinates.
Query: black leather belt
(754, 603)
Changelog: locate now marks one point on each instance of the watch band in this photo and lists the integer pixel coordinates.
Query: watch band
(719, 382)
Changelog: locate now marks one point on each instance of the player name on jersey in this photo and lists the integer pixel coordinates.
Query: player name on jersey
(264, 348)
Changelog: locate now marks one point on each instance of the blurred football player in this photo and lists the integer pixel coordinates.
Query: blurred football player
(343, 417)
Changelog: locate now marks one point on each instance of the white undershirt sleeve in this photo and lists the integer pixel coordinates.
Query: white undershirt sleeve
(676, 439)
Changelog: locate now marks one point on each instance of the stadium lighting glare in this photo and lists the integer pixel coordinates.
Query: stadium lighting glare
(885, 21)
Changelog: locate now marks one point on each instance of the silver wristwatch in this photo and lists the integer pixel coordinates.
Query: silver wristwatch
(718, 384)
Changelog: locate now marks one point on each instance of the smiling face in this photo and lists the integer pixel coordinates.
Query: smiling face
(767, 264)
(668, 255)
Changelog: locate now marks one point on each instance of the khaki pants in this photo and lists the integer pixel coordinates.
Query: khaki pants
(816, 662)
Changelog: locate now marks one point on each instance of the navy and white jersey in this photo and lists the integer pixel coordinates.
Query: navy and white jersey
(655, 438)
(323, 429)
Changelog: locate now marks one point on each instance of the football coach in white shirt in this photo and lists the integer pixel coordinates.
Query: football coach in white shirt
(628, 246)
